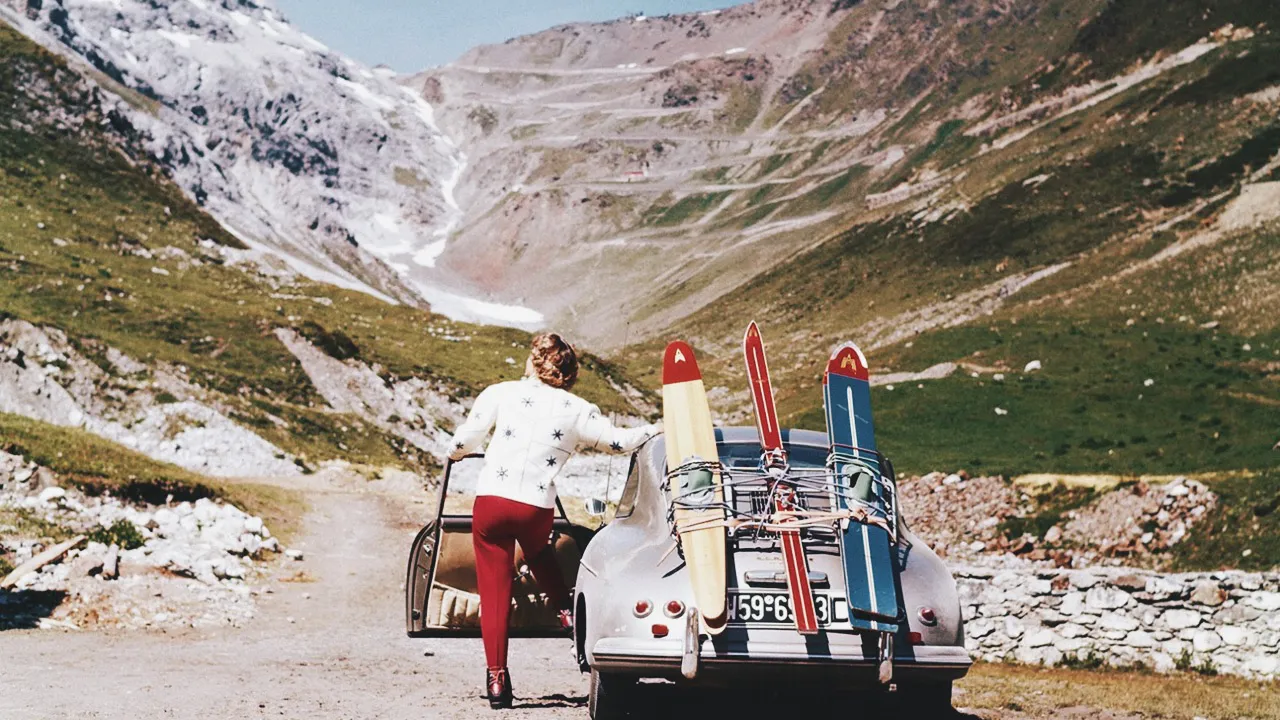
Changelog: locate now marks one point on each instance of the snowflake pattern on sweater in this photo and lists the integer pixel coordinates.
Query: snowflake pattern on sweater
(540, 427)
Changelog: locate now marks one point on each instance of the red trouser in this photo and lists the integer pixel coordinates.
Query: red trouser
(497, 524)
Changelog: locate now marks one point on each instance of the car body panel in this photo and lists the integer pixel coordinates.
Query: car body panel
(631, 559)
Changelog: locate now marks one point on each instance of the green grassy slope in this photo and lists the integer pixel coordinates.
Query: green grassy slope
(1110, 184)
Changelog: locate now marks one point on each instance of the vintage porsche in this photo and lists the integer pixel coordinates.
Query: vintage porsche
(633, 599)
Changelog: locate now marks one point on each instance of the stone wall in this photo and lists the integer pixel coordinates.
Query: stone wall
(1228, 622)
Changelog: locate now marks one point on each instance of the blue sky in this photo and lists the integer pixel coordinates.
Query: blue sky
(410, 35)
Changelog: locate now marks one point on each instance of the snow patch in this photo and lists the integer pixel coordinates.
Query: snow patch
(468, 309)
(182, 40)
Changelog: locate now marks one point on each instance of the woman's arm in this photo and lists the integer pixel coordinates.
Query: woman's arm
(477, 426)
(596, 432)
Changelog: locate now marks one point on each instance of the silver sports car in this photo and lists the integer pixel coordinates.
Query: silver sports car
(633, 614)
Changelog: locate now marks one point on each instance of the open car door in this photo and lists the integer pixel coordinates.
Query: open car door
(441, 596)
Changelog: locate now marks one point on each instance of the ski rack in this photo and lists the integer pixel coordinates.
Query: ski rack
(827, 523)
(884, 488)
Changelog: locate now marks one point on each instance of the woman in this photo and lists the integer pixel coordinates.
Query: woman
(540, 424)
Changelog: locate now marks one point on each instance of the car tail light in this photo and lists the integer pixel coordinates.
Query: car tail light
(643, 608)
(917, 638)
(927, 616)
(660, 630)
(674, 609)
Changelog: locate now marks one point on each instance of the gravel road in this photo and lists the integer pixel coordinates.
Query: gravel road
(333, 647)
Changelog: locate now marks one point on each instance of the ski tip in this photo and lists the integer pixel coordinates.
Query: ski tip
(848, 361)
(753, 331)
(679, 364)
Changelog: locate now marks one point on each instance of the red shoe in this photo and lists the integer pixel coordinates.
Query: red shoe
(498, 688)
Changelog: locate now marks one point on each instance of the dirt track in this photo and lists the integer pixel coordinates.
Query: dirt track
(344, 655)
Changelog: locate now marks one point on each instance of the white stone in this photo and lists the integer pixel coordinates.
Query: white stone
(979, 628)
(1265, 601)
(52, 494)
(1031, 366)
(1115, 621)
(1072, 603)
(1038, 655)
(1264, 665)
(1040, 638)
(1206, 641)
(1084, 580)
(1162, 663)
(1072, 630)
(1178, 619)
(1140, 638)
(1234, 634)
(1106, 598)
(1013, 628)
(1071, 646)
(1163, 588)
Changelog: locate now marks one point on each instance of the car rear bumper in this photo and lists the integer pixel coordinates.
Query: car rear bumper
(661, 658)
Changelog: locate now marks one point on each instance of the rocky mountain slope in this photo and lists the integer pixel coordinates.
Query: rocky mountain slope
(665, 161)
(963, 188)
(291, 146)
(128, 312)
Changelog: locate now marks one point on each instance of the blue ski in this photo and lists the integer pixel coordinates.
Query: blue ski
(871, 577)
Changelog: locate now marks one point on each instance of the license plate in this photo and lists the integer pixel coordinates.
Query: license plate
(773, 608)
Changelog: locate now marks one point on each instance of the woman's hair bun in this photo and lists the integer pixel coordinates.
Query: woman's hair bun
(554, 360)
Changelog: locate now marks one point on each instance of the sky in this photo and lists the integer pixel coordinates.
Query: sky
(410, 35)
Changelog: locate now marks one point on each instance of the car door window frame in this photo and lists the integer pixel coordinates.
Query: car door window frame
(630, 490)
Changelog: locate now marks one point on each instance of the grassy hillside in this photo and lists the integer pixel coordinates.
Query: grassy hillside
(1116, 202)
(96, 242)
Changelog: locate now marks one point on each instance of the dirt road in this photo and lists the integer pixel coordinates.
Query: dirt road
(331, 648)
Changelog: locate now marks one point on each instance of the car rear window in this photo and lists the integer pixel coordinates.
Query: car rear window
(746, 456)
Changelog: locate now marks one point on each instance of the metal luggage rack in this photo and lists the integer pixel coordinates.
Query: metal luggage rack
(823, 504)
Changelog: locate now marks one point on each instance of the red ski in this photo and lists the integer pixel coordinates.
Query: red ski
(784, 498)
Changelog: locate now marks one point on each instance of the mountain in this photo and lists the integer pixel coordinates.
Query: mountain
(963, 188)
(968, 189)
(291, 146)
(129, 313)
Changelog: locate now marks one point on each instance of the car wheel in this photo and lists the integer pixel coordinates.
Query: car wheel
(609, 695)
(926, 701)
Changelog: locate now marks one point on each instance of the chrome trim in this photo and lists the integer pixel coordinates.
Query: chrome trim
(778, 578)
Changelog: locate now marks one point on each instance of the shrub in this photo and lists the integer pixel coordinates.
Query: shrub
(122, 533)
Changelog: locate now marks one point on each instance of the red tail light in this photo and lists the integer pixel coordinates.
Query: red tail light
(917, 638)
(643, 608)
(674, 609)
(660, 630)
(927, 616)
